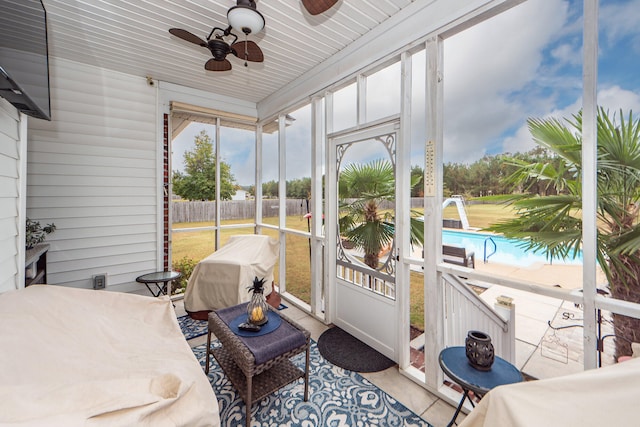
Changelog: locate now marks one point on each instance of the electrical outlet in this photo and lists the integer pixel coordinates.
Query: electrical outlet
(100, 281)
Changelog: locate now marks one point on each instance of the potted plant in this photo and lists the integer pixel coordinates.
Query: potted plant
(35, 233)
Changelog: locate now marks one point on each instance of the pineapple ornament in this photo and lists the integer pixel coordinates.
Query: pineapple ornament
(257, 307)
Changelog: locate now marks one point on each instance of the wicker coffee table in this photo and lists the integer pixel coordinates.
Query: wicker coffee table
(258, 365)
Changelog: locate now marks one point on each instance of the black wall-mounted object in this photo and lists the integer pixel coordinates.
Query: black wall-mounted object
(24, 57)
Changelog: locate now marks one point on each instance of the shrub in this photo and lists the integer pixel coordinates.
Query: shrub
(185, 266)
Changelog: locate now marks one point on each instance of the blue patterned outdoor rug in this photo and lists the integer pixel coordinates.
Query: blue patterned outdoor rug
(337, 398)
(196, 328)
(192, 328)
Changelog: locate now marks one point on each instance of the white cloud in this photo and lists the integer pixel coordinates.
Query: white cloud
(520, 142)
(613, 99)
(236, 146)
(504, 52)
(270, 157)
(298, 144)
(185, 142)
(485, 64)
(619, 20)
(567, 53)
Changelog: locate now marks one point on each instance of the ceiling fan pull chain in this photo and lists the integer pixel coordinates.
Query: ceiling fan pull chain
(246, 50)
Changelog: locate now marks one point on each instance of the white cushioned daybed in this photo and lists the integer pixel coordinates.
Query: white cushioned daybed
(76, 357)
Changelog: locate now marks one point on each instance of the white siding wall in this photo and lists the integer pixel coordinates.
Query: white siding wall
(94, 172)
(11, 184)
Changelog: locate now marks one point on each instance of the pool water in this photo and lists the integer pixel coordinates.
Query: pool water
(508, 251)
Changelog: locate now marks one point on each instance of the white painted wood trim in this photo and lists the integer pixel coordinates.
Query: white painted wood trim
(282, 199)
(625, 308)
(434, 294)
(218, 208)
(366, 131)
(22, 199)
(171, 92)
(403, 200)
(160, 183)
(330, 215)
(589, 179)
(574, 296)
(317, 241)
(258, 179)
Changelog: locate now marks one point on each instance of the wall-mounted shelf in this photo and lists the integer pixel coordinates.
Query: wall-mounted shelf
(36, 265)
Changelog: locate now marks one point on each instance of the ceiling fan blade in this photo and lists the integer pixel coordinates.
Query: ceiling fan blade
(186, 35)
(213, 65)
(316, 7)
(247, 50)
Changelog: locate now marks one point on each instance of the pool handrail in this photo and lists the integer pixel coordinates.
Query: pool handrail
(495, 249)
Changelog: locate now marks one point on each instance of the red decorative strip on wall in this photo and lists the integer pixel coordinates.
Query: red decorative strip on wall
(165, 192)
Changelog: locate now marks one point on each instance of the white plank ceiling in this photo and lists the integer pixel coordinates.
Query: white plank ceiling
(132, 37)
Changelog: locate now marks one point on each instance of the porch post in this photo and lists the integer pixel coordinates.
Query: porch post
(217, 148)
(589, 180)
(282, 201)
(433, 290)
(258, 180)
(317, 243)
(403, 213)
(330, 215)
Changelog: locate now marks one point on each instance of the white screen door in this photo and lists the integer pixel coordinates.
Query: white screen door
(363, 252)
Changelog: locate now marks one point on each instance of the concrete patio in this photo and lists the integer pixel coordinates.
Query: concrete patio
(541, 351)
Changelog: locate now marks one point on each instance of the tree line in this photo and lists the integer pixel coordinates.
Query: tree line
(486, 176)
(490, 175)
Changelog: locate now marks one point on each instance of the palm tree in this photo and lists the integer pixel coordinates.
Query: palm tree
(367, 192)
(553, 223)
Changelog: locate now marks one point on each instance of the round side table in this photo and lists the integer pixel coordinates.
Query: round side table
(160, 279)
(454, 363)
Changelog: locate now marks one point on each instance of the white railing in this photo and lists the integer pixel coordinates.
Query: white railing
(575, 296)
(366, 278)
(465, 310)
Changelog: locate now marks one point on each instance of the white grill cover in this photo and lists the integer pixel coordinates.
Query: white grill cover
(221, 279)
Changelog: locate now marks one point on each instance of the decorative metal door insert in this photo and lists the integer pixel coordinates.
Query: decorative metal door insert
(371, 212)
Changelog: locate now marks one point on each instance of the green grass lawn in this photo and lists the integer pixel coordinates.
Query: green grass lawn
(197, 245)
(481, 216)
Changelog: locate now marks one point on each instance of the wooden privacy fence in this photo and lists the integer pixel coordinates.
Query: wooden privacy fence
(205, 211)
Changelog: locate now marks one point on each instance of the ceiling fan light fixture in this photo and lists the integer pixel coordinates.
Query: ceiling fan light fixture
(244, 17)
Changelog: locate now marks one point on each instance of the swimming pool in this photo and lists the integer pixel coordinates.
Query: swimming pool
(507, 250)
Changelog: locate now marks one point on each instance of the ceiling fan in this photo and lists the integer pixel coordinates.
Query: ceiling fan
(219, 46)
(316, 7)
(221, 42)
(246, 18)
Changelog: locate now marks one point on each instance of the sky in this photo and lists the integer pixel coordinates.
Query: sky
(523, 63)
